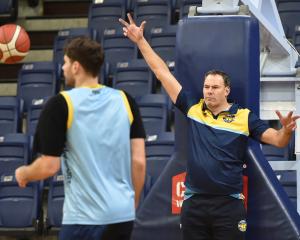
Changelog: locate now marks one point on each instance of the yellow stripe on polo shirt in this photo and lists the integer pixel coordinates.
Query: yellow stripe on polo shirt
(236, 123)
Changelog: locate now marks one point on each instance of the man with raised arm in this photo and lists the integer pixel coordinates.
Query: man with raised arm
(218, 133)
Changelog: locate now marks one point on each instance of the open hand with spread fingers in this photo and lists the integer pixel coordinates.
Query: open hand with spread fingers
(288, 122)
(131, 30)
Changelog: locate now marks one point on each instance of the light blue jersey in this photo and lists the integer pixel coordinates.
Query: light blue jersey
(97, 161)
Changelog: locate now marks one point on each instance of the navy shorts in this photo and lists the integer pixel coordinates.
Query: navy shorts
(207, 217)
(117, 231)
(81, 232)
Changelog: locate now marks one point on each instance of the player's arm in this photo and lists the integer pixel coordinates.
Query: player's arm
(42, 168)
(138, 166)
(157, 65)
(138, 155)
(281, 137)
(49, 141)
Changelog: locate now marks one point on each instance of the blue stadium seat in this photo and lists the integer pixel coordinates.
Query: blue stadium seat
(11, 109)
(8, 11)
(273, 153)
(156, 13)
(14, 151)
(20, 208)
(55, 203)
(158, 153)
(62, 37)
(154, 112)
(35, 81)
(289, 183)
(33, 114)
(117, 48)
(105, 16)
(134, 77)
(289, 11)
(184, 6)
(163, 41)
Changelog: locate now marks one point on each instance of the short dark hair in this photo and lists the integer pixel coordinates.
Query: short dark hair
(222, 74)
(87, 52)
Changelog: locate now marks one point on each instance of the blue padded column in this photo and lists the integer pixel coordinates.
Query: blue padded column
(230, 44)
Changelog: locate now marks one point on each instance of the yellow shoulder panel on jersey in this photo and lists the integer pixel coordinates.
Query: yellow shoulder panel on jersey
(70, 108)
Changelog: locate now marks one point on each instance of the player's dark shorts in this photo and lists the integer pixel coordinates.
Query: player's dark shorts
(210, 217)
(118, 231)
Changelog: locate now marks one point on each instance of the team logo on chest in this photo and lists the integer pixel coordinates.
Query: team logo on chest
(229, 118)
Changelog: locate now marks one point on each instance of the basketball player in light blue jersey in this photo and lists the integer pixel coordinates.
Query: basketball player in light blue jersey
(95, 134)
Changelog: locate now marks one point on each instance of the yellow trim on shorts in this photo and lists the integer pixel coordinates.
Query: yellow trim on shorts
(130, 115)
(70, 108)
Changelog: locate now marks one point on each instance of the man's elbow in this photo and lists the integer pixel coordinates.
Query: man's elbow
(51, 165)
(139, 165)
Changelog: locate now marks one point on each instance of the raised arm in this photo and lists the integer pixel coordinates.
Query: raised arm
(157, 65)
(281, 137)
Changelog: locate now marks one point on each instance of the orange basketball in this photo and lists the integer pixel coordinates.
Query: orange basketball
(14, 43)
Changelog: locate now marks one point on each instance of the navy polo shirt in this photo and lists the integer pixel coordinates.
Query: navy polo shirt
(217, 145)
